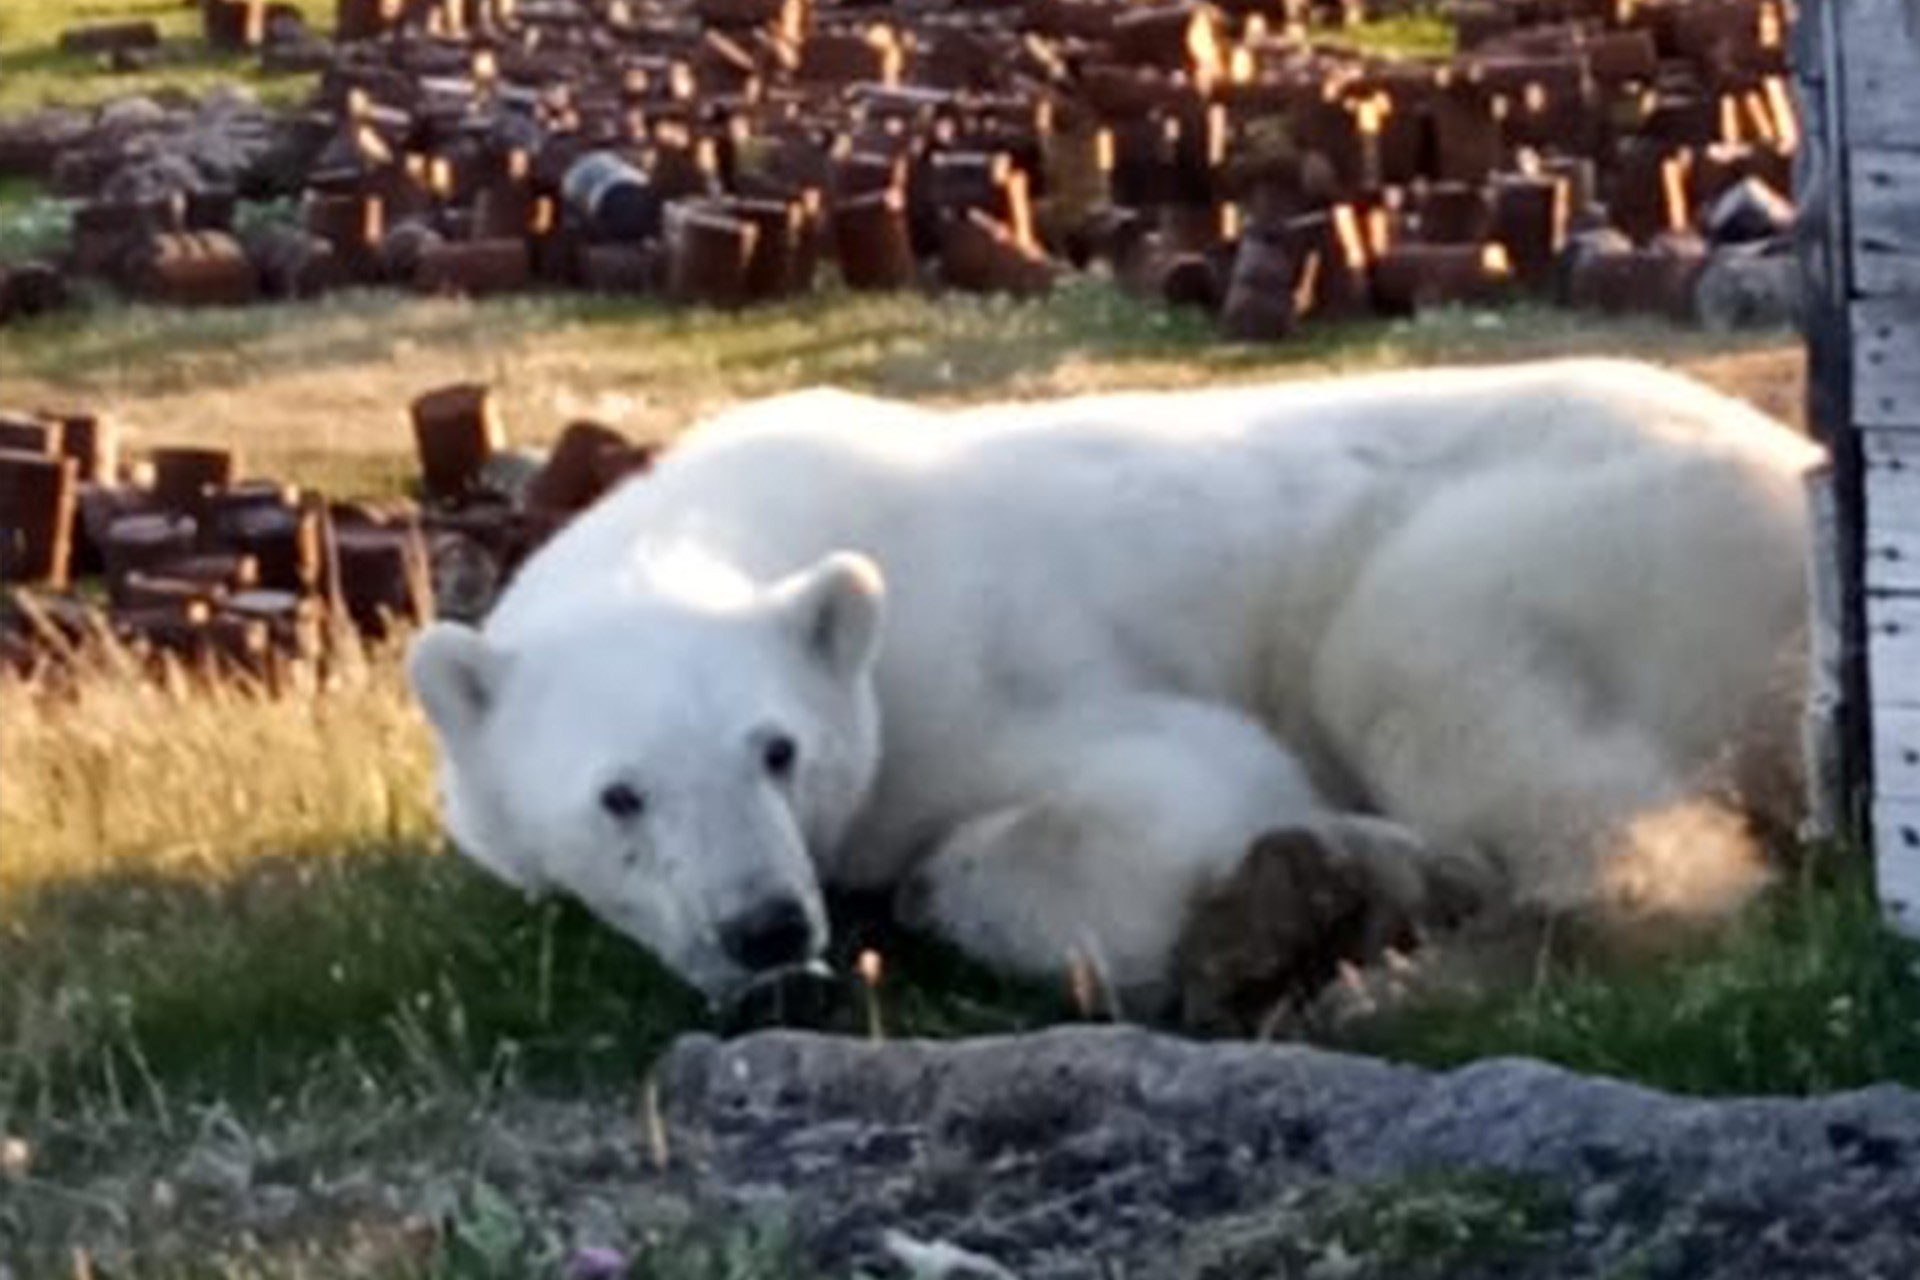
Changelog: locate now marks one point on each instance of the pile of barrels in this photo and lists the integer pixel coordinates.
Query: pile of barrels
(179, 556)
(1230, 154)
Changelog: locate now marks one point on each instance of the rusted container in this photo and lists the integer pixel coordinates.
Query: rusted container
(93, 442)
(353, 223)
(164, 592)
(382, 576)
(184, 476)
(1267, 290)
(1529, 219)
(1656, 279)
(1618, 57)
(37, 495)
(270, 523)
(42, 437)
(110, 38)
(1409, 277)
(866, 173)
(1334, 260)
(575, 472)
(504, 209)
(777, 265)
(221, 572)
(611, 199)
(296, 264)
(783, 17)
(402, 249)
(847, 57)
(234, 24)
(984, 255)
(871, 242)
(107, 233)
(1451, 213)
(1646, 189)
(708, 255)
(457, 430)
(474, 268)
(364, 19)
(622, 268)
(196, 269)
(145, 541)
(1468, 142)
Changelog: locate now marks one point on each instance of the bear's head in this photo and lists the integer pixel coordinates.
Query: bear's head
(677, 765)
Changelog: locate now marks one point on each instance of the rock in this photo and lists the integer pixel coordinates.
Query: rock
(31, 143)
(31, 289)
(1084, 1152)
(1750, 286)
(109, 37)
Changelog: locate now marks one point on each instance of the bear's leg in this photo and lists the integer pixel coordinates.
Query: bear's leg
(1568, 671)
(1107, 825)
(1583, 811)
(1171, 848)
(1310, 905)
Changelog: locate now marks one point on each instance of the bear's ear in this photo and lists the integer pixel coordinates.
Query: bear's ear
(456, 675)
(835, 608)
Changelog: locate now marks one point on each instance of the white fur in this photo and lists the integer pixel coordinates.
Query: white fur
(1534, 613)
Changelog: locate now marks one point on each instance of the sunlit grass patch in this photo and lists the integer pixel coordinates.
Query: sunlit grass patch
(35, 73)
(317, 393)
(1418, 33)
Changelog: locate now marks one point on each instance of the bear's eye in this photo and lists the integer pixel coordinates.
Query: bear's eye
(778, 755)
(623, 802)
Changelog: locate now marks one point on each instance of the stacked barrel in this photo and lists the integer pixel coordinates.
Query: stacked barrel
(1232, 156)
(181, 556)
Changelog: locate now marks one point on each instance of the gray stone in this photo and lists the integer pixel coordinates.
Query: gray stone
(1750, 286)
(1084, 1152)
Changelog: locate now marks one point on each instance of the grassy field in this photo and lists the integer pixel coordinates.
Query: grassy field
(34, 72)
(229, 920)
(318, 393)
(239, 906)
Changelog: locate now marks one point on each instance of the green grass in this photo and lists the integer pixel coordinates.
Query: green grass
(1809, 993)
(34, 73)
(33, 224)
(1420, 1226)
(1417, 34)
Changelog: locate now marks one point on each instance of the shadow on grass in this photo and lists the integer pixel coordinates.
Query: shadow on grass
(126, 988)
(134, 992)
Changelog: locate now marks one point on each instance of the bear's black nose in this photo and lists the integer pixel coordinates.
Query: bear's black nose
(771, 934)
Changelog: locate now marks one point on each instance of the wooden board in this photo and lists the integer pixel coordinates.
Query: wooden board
(1886, 373)
(1896, 753)
(1892, 553)
(1880, 62)
(1896, 826)
(1893, 650)
(1885, 190)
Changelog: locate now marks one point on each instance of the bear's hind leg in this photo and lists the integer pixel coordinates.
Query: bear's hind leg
(1112, 822)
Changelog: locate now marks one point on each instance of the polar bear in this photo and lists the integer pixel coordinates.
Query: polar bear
(1048, 671)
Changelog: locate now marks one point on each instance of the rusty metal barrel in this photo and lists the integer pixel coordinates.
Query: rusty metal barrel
(611, 198)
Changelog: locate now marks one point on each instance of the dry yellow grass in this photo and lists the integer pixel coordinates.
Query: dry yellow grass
(115, 770)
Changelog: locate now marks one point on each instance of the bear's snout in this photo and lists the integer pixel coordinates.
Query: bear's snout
(769, 935)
